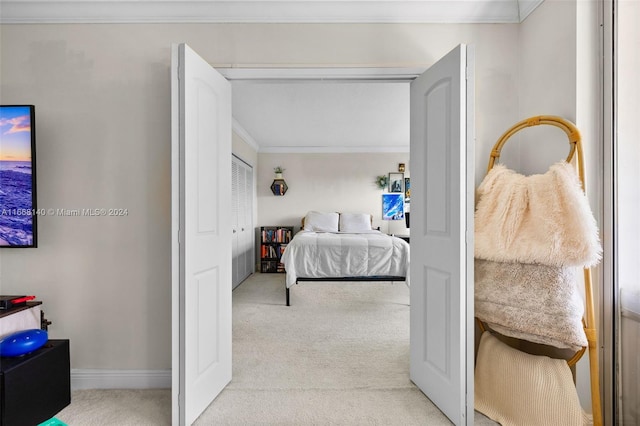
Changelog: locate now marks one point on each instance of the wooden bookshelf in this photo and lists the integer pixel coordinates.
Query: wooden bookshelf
(273, 242)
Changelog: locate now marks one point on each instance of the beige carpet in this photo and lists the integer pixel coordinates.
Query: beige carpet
(339, 355)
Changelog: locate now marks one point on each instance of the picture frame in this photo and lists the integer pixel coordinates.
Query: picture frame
(407, 190)
(18, 195)
(396, 182)
(393, 206)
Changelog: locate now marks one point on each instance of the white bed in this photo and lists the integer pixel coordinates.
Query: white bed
(355, 253)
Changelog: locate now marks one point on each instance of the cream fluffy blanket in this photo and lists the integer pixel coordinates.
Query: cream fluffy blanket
(542, 219)
(538, 303)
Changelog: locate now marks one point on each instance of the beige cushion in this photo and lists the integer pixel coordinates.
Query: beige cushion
(515, 388)
(538, 303)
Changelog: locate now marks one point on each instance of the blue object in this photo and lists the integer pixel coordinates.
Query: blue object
(23, 342)
(53, 422)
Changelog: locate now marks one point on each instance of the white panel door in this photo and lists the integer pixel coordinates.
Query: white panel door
(201, 219)
(441, 334)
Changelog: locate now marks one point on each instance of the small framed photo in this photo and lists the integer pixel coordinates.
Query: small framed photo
(396, 182)
(407, 190)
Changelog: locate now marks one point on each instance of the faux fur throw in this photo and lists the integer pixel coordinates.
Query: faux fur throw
(538, 303)
(535, 219)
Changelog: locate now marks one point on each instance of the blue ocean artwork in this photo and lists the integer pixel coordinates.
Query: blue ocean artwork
(16, 218)
(16, 180)
(393, 206)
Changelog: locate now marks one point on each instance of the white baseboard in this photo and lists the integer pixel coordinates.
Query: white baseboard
(119, 379)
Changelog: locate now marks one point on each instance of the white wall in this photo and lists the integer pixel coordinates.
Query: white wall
(559, 76)
(102, 96)
(243, 150)
(326, 182)
(547, 69)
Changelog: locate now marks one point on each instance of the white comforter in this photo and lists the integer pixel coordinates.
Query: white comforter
(325, 254)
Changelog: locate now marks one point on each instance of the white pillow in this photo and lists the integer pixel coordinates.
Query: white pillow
(355, 222)
(321, 222)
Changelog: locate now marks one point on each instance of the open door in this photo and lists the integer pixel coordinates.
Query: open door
(442, 200)
(201, 234)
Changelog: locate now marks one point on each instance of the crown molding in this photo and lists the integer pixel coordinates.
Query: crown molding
(242, 132)
(265, 11)
(525, 7)
(333, 149)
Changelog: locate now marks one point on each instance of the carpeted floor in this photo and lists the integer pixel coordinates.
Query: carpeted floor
(338, 356)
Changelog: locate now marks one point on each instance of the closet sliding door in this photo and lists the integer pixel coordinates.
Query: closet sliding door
(242, 220)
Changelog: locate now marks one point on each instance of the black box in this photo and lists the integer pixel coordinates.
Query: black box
(6, 302)
(35, 386)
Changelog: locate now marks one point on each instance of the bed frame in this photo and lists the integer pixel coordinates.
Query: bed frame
(346, 279)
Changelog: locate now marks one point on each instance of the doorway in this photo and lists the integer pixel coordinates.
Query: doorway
(448, 82)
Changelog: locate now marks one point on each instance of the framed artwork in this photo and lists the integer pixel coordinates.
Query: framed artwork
(407, 190)
(396, 182)
(18, 221)
(393, 206)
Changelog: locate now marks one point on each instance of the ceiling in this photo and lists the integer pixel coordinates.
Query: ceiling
(323, 116)
(328, 110)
